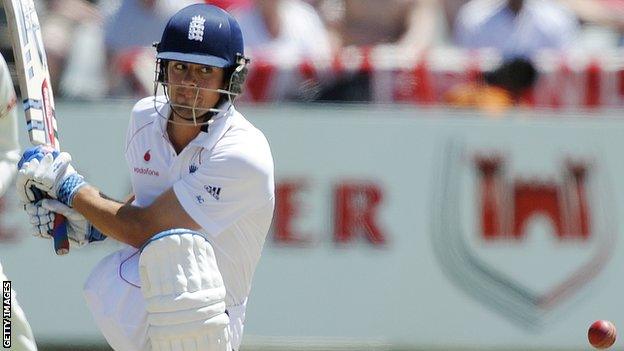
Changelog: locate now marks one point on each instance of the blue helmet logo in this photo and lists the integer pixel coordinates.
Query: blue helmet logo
(202, 34)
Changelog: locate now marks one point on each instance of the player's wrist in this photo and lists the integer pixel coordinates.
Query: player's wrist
(69, 188)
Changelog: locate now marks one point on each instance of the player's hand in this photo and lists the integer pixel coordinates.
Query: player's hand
(50, 172)
(25, 193)
(41, 219)
(35, 152)
(79, 231)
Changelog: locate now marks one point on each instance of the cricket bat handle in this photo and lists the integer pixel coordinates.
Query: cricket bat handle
(59, 230)
(59, 234)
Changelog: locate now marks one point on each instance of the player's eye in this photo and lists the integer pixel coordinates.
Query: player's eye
(179, 67)
(206, 69)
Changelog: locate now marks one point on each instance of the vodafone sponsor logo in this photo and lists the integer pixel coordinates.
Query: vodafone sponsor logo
(146, 171)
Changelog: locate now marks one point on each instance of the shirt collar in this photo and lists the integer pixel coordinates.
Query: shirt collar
(221, 123)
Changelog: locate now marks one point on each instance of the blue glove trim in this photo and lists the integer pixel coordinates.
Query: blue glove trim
(36, 152)
(69, 188)
(70, 202)
(170, 232)
(95, 234)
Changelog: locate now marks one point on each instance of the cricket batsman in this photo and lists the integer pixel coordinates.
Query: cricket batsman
(202, 203)
(22, 337)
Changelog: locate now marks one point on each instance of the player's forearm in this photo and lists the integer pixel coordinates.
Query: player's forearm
(123, 222)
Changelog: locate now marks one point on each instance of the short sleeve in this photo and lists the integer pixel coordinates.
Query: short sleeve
(226, 188)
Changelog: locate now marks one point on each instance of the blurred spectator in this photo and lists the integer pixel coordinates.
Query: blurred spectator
(408, 24)
(515, 27)
(231, 5)
(5, 45)
(130, 29)
(66, 24)
(608, 14)
(63, 22)
(284, 29)
(284, 34)
(137, 23)
(449, 10)
(498, 90)
(394, 28)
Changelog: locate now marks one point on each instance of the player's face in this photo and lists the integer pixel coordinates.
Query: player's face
(193, 86)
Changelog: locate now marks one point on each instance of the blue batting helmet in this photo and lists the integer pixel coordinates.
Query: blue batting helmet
(202, 34)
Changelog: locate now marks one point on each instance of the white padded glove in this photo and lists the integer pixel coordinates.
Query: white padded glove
(54, 176)
(79, 231)
(41, 219)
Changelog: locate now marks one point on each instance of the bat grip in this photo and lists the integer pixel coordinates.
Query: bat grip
(59, 234)
(59, 230)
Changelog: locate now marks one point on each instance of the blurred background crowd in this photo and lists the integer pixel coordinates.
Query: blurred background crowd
(470, 53)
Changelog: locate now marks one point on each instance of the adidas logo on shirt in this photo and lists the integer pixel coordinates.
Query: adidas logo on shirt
(214, 191)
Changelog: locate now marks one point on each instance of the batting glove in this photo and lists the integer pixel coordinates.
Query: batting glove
(50, 172)
(41, 219)
(28, 194)
(79, 231)
(36, 152)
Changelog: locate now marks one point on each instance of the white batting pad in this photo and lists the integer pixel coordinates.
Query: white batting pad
(184, 293)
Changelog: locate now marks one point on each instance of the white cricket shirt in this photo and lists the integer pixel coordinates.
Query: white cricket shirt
(9, 146)
(224, 181)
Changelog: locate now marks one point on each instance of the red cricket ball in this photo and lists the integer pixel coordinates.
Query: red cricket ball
(601, 334)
